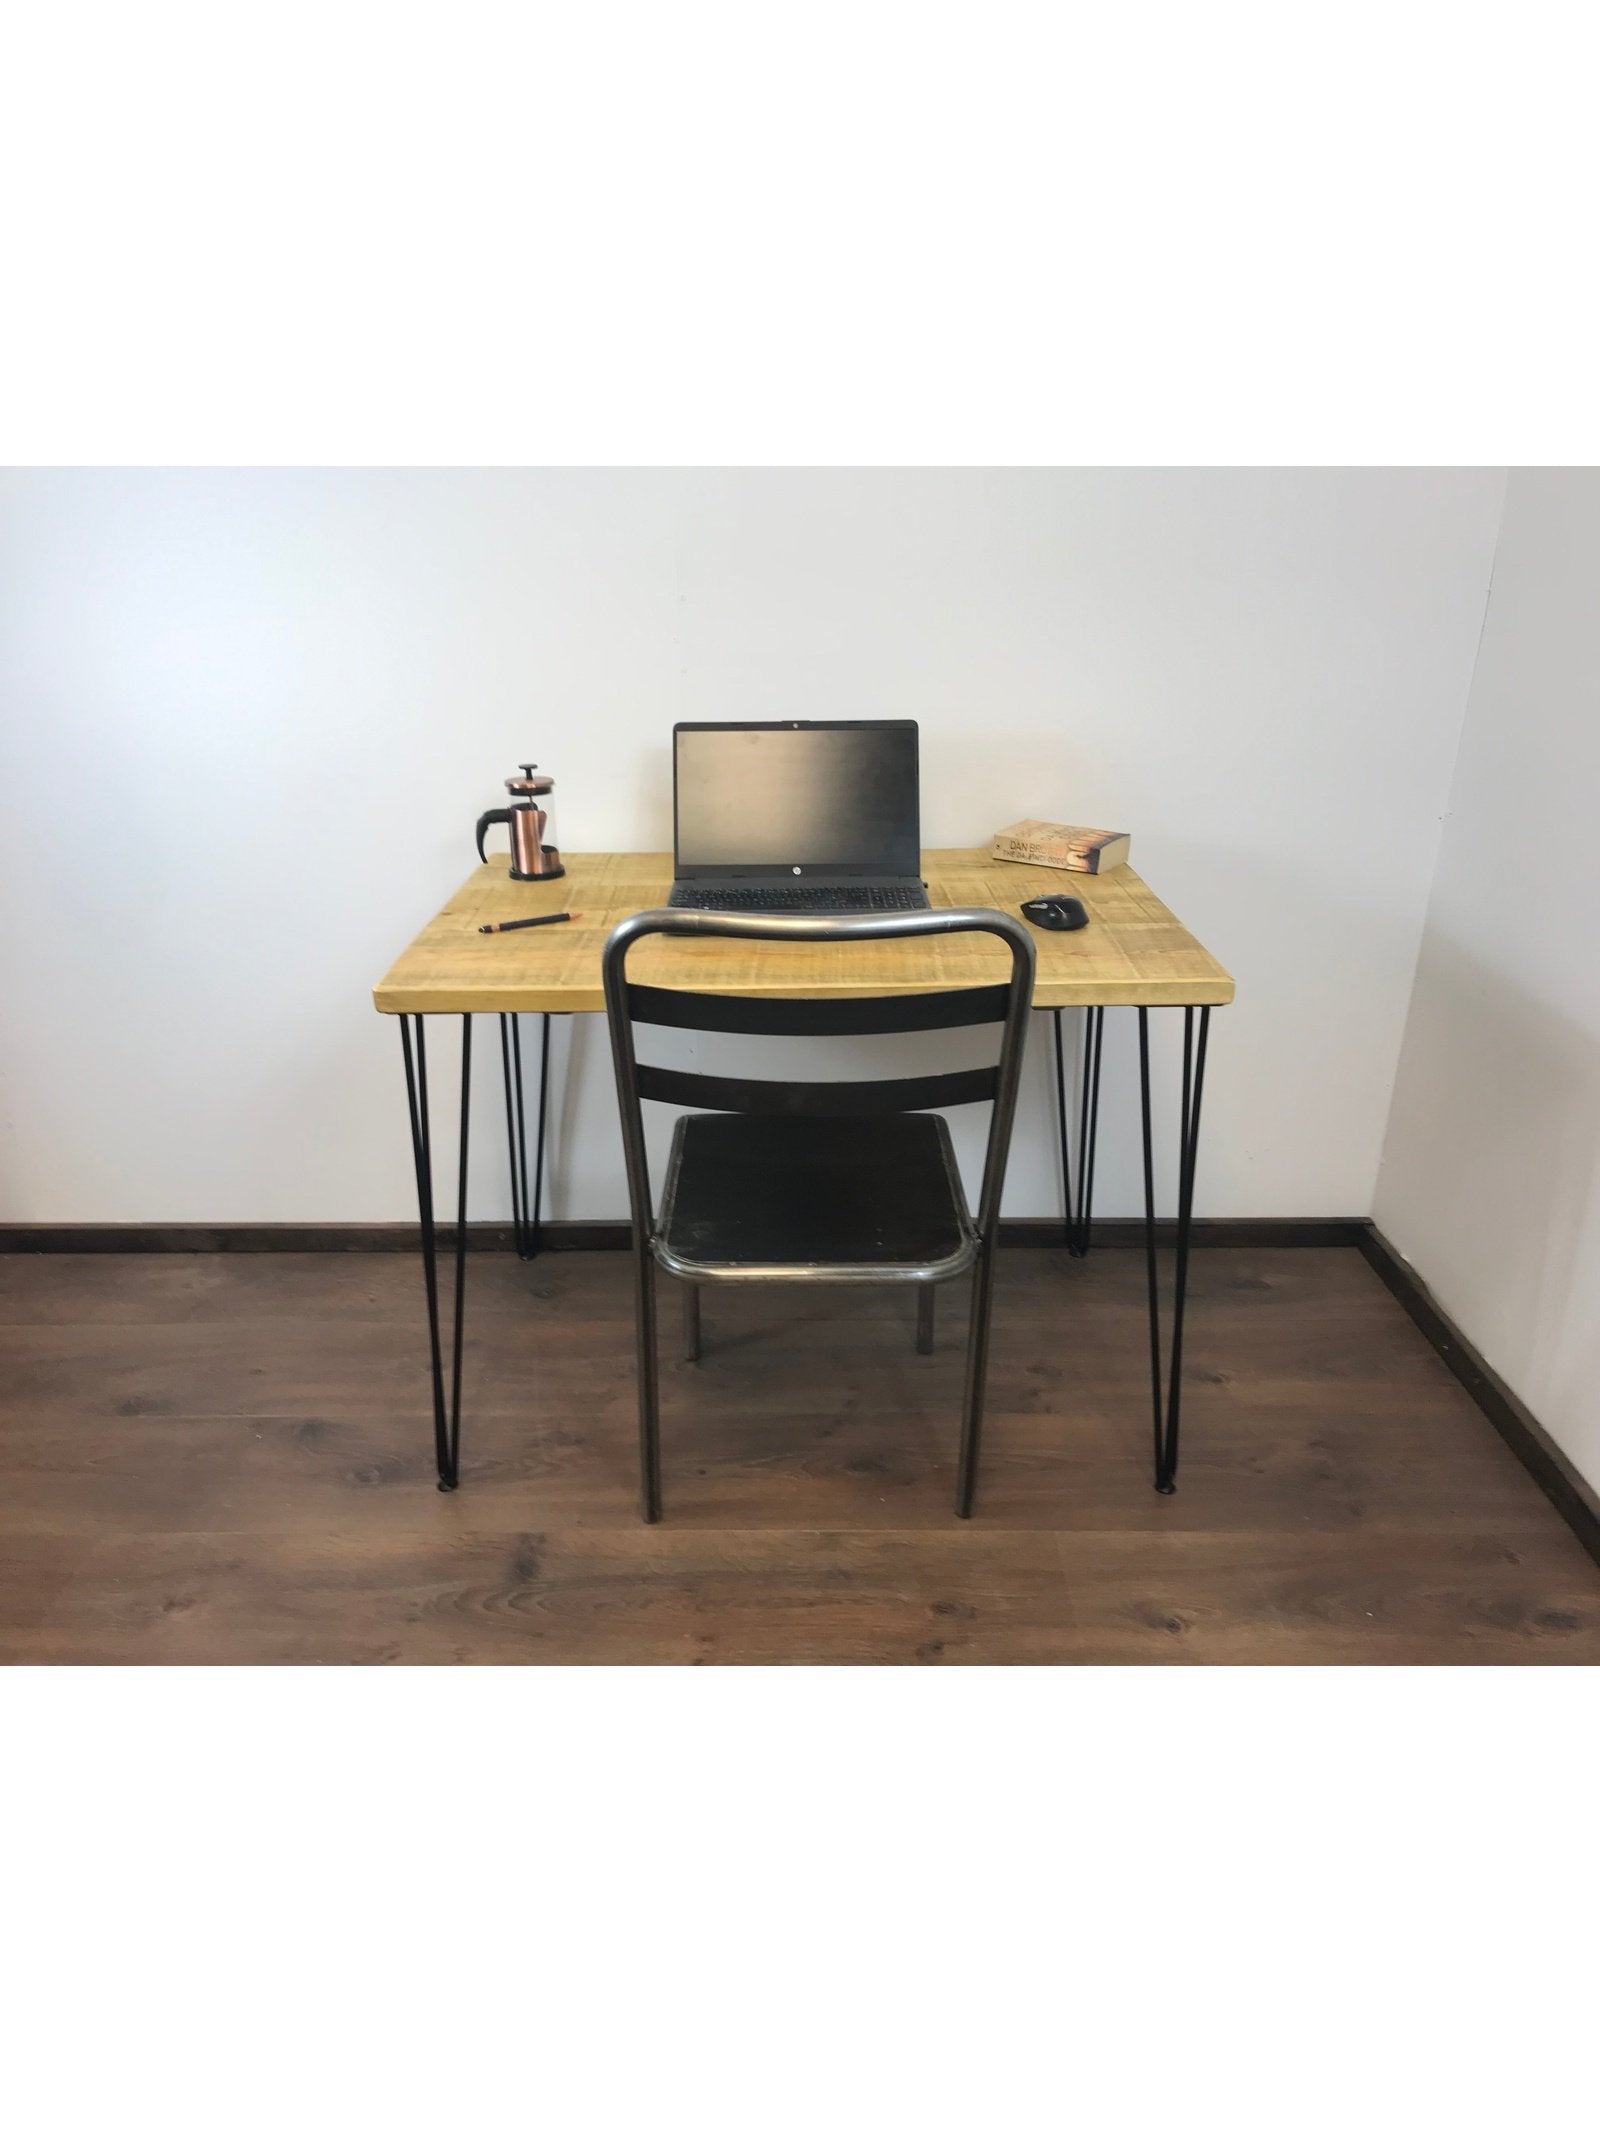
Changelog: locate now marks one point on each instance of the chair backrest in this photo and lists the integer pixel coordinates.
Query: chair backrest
(879, 1015)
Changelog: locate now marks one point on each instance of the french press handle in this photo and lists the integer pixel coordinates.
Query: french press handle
(495, 814)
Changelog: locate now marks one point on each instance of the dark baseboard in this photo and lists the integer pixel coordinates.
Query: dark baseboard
(293, 1236)
(1521, 1429)
(1264, 1233)
(1236, 1232)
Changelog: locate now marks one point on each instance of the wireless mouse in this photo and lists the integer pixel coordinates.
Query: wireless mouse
(1062, 914)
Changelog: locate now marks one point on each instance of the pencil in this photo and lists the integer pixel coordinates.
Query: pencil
(516, 925)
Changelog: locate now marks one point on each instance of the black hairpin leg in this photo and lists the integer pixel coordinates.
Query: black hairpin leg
(525, 1221)
(1194, 1070)
(446, 1416)
(1078, 1218)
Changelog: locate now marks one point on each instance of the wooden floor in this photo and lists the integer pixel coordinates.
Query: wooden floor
(224, 1458)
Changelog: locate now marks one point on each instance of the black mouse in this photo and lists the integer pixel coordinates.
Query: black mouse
(1062, 914)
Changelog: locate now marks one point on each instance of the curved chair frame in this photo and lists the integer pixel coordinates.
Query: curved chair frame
(1008, 1004)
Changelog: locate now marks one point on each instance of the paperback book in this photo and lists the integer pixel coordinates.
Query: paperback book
(1058, 844)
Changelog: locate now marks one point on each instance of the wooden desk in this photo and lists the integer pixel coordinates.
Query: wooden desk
(1133, 953)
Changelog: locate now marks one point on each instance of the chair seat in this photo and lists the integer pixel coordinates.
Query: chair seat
(837, 1199)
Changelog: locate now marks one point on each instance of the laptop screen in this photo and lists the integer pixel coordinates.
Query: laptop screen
(811, 798)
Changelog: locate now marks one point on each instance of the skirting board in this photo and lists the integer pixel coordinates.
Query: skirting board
(1263, 1232)
(1523, 1432)
(1526, 1436)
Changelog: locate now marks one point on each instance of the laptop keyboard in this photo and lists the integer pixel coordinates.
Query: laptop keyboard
(804, 903)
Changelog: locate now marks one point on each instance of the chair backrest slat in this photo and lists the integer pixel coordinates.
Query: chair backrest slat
(893, 1014)
(816, 1099)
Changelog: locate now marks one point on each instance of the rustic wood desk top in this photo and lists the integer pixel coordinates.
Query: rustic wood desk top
(1133, 952)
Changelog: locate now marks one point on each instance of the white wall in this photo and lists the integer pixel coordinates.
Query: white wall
(250, 717)
(1489, 1181)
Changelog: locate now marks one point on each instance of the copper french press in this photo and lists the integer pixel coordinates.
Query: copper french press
(531, 858)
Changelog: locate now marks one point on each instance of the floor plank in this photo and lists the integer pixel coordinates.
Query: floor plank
(217, 1458)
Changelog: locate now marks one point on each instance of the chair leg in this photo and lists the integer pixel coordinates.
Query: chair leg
(977, 1371)
(925, 1296)
(691, 1321)
(649, 1405)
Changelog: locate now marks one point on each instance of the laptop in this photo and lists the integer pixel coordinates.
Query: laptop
(805, 816)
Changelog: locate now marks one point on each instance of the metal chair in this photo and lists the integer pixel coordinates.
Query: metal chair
(833, 1181)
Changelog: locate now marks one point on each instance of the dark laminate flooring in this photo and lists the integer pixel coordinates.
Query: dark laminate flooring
(226, 1458)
